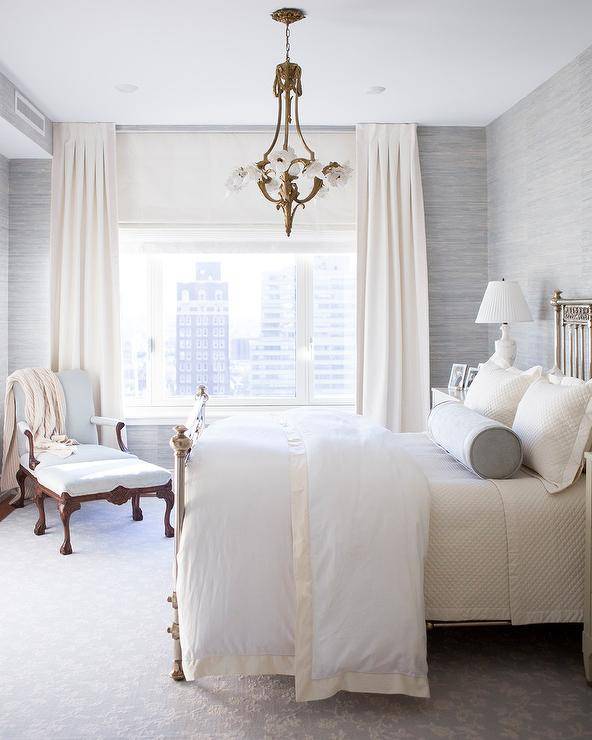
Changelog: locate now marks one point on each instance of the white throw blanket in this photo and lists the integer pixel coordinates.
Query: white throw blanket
(302, 553)
(45, 413)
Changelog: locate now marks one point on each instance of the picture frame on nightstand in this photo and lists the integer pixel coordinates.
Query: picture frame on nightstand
(470, 377)
(457, 376)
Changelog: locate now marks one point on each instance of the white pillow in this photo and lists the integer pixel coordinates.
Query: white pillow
(497, 390)
(554, 421)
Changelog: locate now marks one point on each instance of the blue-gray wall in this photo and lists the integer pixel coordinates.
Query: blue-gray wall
(454, 177)
(539, 165)
(28, 263)
(3, 282)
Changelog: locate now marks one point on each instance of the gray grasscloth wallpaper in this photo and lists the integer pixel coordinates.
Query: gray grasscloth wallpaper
(3, 283)
(539, 177)
(28, 263)
(453, 172)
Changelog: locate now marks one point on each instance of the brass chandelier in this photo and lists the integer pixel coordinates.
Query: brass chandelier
(280, 174)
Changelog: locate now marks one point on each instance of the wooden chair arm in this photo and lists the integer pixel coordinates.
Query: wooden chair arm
(108, 421)
(25, 429)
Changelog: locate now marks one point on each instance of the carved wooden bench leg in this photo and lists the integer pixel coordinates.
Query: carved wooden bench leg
(67, 506)
(40, 501)
(21, 477)
(169, 499)
(137, 515)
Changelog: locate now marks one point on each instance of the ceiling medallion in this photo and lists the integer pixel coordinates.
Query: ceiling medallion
(281, 172)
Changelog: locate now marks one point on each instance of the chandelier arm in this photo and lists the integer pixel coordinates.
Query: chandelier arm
(263, 188)
(330, 166)
(299, 130)
(278, 127)
(287, 116)
(317, 185)
(303, 160)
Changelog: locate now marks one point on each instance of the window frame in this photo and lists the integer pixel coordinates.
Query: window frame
(156, 404)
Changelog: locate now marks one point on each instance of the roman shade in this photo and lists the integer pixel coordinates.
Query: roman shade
(179, 178)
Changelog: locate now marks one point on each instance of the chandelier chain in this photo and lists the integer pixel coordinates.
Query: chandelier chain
(287, 42)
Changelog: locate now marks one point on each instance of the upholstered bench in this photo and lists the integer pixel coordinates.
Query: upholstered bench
(94, 471)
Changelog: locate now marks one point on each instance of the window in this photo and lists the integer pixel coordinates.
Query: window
(258, 328)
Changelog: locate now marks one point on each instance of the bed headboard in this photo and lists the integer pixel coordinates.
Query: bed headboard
(573, 335)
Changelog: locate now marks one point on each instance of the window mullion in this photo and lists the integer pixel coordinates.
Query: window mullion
(156, 332)
(305, 320)
(302, 330)
(309, 329)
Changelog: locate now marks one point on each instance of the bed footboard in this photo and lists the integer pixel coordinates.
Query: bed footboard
(182, 443)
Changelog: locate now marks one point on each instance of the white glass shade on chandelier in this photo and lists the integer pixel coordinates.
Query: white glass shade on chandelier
(282, 160)
(504, 303)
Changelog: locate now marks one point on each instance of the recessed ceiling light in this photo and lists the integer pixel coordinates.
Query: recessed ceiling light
(375, 90)
(126, 87)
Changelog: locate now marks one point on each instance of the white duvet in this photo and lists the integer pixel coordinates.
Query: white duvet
(302, 553)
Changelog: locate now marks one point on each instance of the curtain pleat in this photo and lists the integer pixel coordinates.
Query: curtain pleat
(393, 328)
(84, 259)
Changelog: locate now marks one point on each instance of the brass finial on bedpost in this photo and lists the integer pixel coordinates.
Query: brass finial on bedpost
(558, 328)
(180, 443)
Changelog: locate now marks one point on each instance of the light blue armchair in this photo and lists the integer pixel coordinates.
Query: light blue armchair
(94, 471)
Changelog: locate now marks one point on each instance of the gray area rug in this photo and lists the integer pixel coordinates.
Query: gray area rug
(84, 654)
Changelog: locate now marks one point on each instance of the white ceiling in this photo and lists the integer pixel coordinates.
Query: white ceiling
(196, 62)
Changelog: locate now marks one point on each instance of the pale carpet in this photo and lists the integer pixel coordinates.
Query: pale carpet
(84, 654)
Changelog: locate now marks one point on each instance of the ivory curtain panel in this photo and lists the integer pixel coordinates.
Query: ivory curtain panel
(392, 332)
(84, 259)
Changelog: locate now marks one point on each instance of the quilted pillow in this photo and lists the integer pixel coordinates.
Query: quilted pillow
(554, 422)
(498, 389)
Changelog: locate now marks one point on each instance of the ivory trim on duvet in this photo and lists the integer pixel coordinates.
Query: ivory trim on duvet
(307, 687)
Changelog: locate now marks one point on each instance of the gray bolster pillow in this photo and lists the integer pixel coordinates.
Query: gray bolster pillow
(485, 446)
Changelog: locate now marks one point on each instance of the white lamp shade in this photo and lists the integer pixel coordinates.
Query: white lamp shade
(503, 302)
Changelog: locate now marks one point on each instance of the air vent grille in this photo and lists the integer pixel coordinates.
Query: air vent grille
(27, 111)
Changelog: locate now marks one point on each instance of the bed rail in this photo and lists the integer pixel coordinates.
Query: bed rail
(182, 444)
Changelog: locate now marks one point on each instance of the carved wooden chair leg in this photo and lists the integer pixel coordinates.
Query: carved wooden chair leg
(21, 477)
(169, 498)
(137, 515)
(40, 501)
(67, 506)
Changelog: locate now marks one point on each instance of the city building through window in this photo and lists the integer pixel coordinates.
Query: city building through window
(257, 328)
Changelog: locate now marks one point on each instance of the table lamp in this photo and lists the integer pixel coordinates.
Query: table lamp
(503, 303)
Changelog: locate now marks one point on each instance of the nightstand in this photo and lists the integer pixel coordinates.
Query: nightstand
(439, 395)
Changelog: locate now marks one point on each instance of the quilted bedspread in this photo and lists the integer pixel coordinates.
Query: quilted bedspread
(504, 549)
